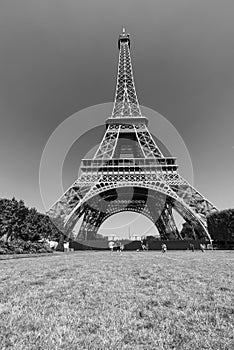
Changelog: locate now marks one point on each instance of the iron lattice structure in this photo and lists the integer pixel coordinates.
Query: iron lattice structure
(129, 173)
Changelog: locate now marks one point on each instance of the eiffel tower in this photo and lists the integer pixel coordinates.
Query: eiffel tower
(129, 173)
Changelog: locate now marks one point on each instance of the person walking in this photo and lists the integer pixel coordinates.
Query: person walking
(202, 247)
(144, 246)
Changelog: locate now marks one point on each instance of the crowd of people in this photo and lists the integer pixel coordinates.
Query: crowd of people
(119, 246)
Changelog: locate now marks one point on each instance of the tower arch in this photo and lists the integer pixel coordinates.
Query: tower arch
(128, 225)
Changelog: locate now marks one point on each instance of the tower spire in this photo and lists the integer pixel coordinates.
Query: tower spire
(126, 103)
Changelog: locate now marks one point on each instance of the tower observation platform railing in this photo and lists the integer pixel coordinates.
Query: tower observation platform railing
(128, 165)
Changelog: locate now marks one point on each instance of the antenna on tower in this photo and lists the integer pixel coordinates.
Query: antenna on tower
(123, 30)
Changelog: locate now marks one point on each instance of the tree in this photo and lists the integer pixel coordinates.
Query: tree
(34, 226)
(12, 218)
(19, 222)
(221, 226)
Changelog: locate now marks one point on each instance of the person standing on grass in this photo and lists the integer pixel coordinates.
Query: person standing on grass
(111, 246)
(117, 246)
(191, 247)
(66, 247)
(121, 247)
(164, 248)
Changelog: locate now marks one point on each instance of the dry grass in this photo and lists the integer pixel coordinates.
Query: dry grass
(98, 300)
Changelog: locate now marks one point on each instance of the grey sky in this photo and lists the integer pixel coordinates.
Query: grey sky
(58, 57)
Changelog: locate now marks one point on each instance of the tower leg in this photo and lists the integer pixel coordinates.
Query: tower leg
(92, 220)
(166, 225)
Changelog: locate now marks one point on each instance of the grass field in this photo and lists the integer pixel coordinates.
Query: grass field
(98, 300)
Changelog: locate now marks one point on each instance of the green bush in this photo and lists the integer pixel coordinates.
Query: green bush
(3, 250)
(23, 247)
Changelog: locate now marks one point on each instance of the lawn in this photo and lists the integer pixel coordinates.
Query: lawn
(137, 300)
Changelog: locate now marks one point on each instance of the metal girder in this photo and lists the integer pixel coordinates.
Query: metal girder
(147, 143)
(157, 186)
(157, 209)
(66, 203)
(126, 102)
(188, 202)
(194, 199)
(166, 224)
(108, 144)
(88, 186)
(92, 220)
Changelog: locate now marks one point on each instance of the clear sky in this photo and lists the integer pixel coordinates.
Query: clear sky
(59, 57)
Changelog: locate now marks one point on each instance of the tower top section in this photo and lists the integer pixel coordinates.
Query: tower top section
(126, 109)
(124, 38)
